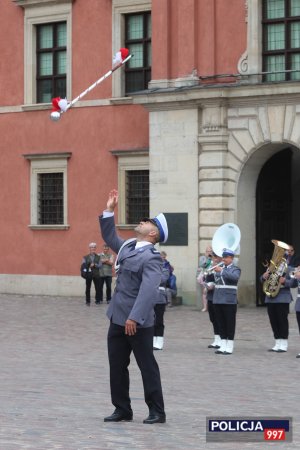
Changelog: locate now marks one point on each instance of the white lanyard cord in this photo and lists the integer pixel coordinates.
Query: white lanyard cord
(128, 241)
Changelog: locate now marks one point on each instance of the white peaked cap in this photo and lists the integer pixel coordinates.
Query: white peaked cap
(162, 226)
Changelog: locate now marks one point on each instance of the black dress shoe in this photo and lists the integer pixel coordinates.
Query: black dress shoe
(213, 346)
(155, 418)
(118, 416)
(88, 303)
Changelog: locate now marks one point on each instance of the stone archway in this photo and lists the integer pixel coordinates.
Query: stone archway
(246, 218)
(256, 134)
(235, 143)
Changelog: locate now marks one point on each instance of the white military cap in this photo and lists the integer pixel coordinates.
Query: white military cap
(161, 223)
(93, 244)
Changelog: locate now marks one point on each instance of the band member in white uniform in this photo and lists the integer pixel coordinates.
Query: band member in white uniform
(225, 300)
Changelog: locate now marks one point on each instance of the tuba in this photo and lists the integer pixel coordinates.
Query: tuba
(226, 236)
(277, 268)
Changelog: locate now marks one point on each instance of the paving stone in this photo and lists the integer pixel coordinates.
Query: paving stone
(54, 378)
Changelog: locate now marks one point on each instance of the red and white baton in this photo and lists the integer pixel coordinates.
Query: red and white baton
(61, 105)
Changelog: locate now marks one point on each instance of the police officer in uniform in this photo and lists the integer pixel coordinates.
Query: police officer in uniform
(225, 300)
(278, 310)
(296, 283)
(209, 283)
(159, 309)
(131, 312)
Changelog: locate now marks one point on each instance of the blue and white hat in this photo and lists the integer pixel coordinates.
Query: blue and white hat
(161, 223)
(227, 252)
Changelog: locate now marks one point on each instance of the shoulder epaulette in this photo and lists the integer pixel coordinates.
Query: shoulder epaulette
(153, 250)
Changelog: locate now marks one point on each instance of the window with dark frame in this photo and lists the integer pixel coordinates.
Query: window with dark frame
(51, 56)
(137, 195)
(51, 198)
(138, 40)
(281, 39)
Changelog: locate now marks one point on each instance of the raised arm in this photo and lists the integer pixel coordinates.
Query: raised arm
(112, 201)
(107, 223)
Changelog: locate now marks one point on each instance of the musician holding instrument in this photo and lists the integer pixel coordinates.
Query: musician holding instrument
(293, 259)
(209, 281)
(205, 262)
(225, 300)
(276, 285)
(295, 275)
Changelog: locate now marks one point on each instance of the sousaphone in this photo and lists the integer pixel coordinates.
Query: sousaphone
(226, 236)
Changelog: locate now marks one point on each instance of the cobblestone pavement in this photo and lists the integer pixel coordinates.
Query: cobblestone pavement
(54, 385)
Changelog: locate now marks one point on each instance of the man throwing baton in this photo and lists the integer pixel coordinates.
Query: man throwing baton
(131, 312)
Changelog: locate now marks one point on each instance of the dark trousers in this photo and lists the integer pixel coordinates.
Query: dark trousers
(88, 289)
(159, 326)
(120, 347)
(107, 281)
(212, 317)
(278, 315)
(298, 319)
(226, 319)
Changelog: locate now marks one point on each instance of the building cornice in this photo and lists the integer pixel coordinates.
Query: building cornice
(26, 3)
(131, 152)
(35, 156)
(230, 96)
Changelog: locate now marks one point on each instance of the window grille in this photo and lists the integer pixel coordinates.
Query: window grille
(50, 198)
(137, 195)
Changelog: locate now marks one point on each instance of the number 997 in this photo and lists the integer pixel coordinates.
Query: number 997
(274, 434)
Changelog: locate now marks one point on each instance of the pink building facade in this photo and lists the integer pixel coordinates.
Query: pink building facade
(202, 124)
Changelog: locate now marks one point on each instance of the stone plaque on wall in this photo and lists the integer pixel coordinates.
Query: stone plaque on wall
(178, 228)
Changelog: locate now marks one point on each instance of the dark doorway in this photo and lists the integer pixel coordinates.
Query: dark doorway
(273, 211)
